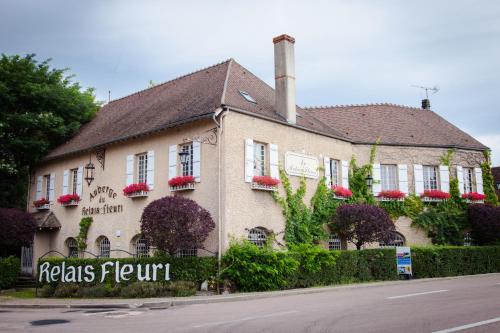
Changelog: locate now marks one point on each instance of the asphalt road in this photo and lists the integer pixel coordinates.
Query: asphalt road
(470, 304)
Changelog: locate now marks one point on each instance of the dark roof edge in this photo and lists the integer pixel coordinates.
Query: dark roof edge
(226, 80)
(131, 137)
(419, 145)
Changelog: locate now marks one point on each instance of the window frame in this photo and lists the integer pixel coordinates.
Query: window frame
(46, 180)
(399, 240)
(74, 180)
(185, 253)
(260, 236)
(386, 180)
(261, 160)
(428, 181)
(141, 247)
(72, 247)
(334, 172)
(334, 242)
(187, 168)
(142, 167)
(104, 247)
(468, 180)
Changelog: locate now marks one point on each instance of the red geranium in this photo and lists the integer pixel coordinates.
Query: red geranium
(134, 188)
(265, 180)
(181, 181)
(435, 194)
(67, 198)
(342, 191)
(394, 194)
(473, 196)
(41, 202)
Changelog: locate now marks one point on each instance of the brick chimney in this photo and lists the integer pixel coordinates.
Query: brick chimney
(284, 73)
(426, 104)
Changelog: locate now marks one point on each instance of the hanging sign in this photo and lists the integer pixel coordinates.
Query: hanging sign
(403, 260)
(301, 165)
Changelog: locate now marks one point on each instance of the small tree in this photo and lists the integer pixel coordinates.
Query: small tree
(485, 224)
(174, 223)
(362, 223)
(17, 229)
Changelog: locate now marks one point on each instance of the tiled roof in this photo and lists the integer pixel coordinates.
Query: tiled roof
(46, 220)
(394, 125)
(197, 95)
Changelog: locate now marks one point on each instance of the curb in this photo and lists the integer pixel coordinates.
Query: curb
(164, 304)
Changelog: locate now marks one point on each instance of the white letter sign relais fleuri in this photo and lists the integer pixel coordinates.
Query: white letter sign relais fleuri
(301, 165)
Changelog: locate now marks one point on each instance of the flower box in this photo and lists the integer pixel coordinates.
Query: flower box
(473, 197)
(139, 190)
(341, 193)
(181, 183)
(265, 183)
(434, 196)
(69, 200)
(394, 195)
(42, 204)
(186, 187)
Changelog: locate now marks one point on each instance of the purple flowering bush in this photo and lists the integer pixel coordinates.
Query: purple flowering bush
(485, 224)
(17, 229)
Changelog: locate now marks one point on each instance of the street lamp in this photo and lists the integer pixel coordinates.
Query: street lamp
(369, 181)
(184, 156)
(89, 172)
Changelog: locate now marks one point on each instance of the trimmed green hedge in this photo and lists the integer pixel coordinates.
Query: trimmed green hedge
(10, 268)
(195, 269)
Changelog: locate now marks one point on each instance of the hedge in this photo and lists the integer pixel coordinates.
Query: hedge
(195, 269)
(10, 268)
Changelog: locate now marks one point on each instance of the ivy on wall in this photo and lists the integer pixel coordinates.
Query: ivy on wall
(447, 160)
(488, 181)
(81, 239)
(357, 178)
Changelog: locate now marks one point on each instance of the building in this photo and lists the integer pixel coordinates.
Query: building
(230, 126)
(496, 179)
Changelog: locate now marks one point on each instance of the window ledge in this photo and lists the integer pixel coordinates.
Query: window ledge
(390, 199)
(426, 199)
(474, 201)
(72, 203)
(338, 197)
(140, 194)
(260, 187)
(187, 187)
(43, 207)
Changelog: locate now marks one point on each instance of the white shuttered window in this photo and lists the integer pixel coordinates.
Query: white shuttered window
(430, 178)
(389, 178)
(259, 158)
(468, 183)
(142, 167)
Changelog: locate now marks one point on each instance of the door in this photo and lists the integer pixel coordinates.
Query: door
(27, 260)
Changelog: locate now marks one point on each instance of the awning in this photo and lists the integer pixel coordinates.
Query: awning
(46, 220)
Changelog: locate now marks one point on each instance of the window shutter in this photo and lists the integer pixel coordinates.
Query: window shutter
(345, 174)
(172, 161)
(460, 177)
(197, 161)
(418, 175)
(249, 162)
(274, 161)
(479, 180)
(377, 179)
(79, 181)
(444, 177)
(403, 178)
(38, 194)
(328, 173)
(150, 175)
(65, 182)
(130, 169)
(52, 186)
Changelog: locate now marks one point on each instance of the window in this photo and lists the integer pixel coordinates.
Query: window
(187, 253)
(468, 180)
(247, 97)
(388, 177)
(74, 180)
(141, 246)
(334, 242)
(397, 240)
(257, 236)
(47, 186)
(467, 239)
(72, 247)
(430, 178)
(259, 158)
(104, 247)
(187, 168)
(498, 186)
(142, 168)
(334, 172)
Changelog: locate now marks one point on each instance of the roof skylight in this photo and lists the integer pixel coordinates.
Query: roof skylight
(247, 97)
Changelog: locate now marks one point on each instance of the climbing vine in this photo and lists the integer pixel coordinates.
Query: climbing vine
(81, 239)
(447, 160)
(488, 182)
(357, 178)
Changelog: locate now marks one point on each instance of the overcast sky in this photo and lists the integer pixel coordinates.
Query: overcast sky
(347, 52)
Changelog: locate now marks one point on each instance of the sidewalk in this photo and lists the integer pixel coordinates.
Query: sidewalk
(165, 302)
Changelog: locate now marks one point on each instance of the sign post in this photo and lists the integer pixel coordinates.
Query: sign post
(403, 261)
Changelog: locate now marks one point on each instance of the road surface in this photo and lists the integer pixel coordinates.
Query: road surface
(468, 304)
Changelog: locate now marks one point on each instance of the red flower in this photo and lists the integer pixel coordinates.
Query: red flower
(473, 196)
(435, 194)
(41, 202)
(342, 191)
(265, 180)
(394, 194)
(134, 188)
(181, 181)
(67, 198)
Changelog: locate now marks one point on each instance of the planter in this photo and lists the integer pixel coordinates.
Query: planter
(427, 199)
(72, 203)
(138, 194)
(469, 201)
(185, 187)
(390, 199)
(338, 197)
(43, 207)
(262, 187)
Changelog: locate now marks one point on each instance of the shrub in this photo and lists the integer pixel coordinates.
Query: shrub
(174, 223)
(485, 224)
(413, 206)
(313, 260)
(141, 289)
(67, 290)
(94, 291)
(17, 229)
(10, 268)
(47, 290)
(362, 223)
(182, 288)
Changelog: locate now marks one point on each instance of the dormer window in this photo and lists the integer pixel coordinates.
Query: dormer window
(247, 97)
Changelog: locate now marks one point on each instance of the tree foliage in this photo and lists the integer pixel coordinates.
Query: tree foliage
(357, 178)
(485, 224)
(17, 229)
(175, 223)
(40, 108)
(363, 223)
(488, 181)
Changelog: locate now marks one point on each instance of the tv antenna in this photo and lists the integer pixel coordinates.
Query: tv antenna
(434, 89)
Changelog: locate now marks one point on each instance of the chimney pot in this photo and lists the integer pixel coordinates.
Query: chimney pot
(426, 104)
(284, 73)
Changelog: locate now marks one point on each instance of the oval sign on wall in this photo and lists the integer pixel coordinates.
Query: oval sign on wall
(301, 165)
